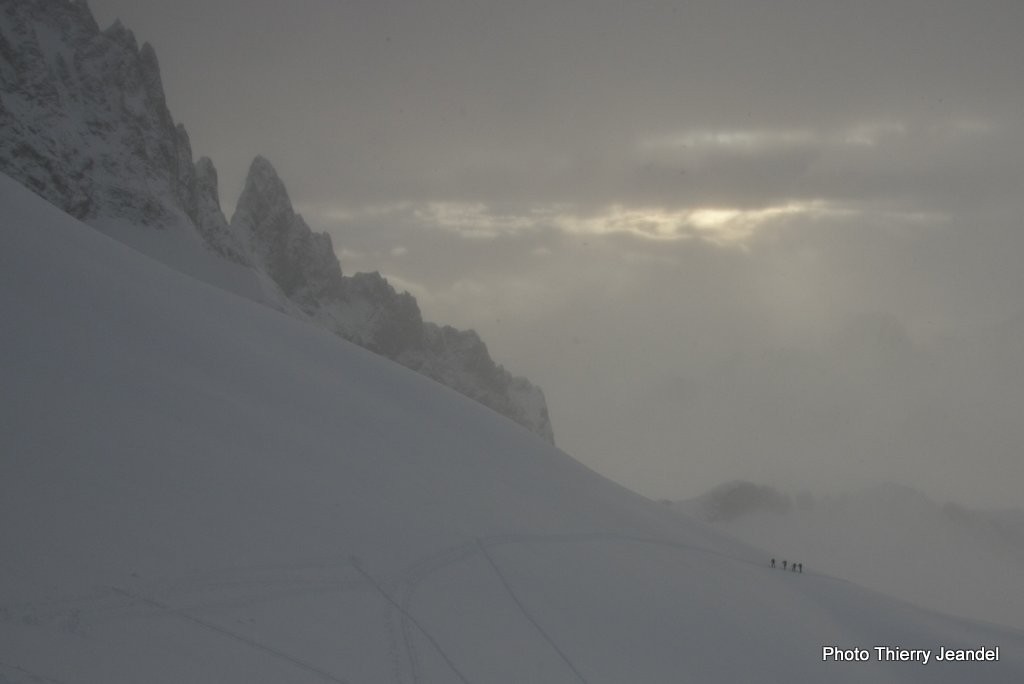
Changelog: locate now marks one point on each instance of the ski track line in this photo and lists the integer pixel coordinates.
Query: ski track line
(407, 582)
(394, 647)
(362, 571)
(410, 579)
(252, 643)
(420, 570)
(197, 582)
(526, 613)
(407, 638)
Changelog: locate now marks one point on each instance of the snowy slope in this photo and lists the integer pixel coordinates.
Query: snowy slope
(197, 488)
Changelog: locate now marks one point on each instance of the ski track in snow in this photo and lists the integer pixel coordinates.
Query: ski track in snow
(252, 643)
(280, 581)
(407, 615)
(417, 573)
(526, 613)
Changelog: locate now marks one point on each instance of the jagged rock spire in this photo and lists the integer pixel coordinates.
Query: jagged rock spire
(301, 262)
(367, 310)
(97, 140)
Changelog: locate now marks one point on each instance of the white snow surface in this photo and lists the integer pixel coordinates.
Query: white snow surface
(196, 488)
(177, 247)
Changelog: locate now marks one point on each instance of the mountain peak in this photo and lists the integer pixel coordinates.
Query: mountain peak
(206, 180)
(150, 67)
(301, 262)
(118, 33)
(263, 187)
(366, 309)
(262, 165)
(58, 139)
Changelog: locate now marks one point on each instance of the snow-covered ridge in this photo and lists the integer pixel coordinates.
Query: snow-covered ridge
(85, 124)
(197, 488)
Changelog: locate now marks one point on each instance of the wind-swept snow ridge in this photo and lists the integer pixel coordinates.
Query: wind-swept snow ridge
(198, 488)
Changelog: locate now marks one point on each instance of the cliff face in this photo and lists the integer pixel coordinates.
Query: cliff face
(85, 124)
(301, 262)
(459, 359)
(365, 309)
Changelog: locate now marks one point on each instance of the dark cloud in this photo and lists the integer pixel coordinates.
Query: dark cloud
(547, 101)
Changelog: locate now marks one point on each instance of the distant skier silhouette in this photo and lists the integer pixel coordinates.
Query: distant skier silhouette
(773, 562)
(793, 567)
(783, 565)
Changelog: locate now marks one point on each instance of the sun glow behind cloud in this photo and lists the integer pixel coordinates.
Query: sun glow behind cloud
(718, 225)
(737, 167)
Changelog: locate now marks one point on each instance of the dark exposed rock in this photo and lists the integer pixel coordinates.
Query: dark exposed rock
(86, 123)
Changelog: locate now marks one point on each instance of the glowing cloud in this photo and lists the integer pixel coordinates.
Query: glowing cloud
(719, 225)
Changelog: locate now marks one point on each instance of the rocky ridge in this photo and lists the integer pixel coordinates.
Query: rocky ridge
(85, 124)
(364, 308)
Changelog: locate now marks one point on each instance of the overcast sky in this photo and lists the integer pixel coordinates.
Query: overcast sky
(776, 240)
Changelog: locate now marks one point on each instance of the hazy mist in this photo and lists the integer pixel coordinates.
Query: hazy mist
(889, 538)
(775, 241)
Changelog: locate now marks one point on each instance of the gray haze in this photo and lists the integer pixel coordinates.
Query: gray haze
(771, 240)
(888, 537)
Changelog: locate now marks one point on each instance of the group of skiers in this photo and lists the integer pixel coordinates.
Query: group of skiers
(795, 567)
